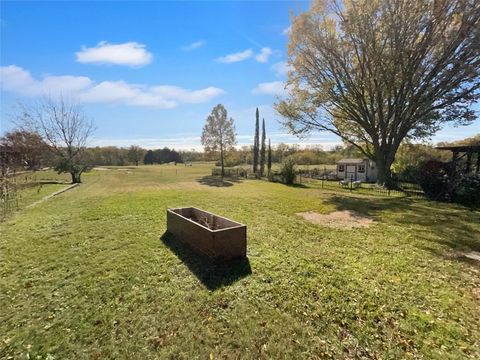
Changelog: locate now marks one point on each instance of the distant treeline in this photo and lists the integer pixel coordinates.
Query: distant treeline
(23, 150)
(309, 155)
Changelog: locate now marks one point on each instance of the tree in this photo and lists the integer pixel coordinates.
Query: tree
(262, 150)
(411, 157)
(256, 142)
(64, 127)
(148, 158)
(269, 160)
(135, 154)
(378, 72)
(166, 155)
(25, 148)
(219, 133)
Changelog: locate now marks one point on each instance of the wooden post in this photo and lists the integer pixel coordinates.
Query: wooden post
(469, 161)
(454, 162)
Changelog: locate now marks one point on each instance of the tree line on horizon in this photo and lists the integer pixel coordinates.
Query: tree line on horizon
(27, 151)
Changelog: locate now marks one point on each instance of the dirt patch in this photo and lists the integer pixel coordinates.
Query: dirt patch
(338, 219)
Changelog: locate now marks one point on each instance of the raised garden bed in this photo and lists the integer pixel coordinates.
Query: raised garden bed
(209, 234)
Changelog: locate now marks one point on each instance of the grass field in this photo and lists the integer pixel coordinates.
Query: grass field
(88, 274)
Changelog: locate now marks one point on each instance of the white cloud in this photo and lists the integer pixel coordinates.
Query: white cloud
(270, 88)
(281, 68)
(287, 30)
(18, 80)
(130, 53)
(194, 45)
(236, 57)
(264, 55)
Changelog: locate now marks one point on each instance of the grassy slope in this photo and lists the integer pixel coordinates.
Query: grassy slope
(86, 274)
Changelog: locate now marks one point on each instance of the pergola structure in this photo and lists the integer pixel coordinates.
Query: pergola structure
(464, 151)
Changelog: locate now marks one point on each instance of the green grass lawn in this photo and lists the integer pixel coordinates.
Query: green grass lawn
(88, 274)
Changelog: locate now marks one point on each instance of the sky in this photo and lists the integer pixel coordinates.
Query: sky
(149, 72)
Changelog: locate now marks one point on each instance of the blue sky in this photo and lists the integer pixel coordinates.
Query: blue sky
(148, 72)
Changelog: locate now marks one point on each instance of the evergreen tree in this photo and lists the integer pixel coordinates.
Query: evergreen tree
(256, 143)
(269, 160)
(148, 158)
(262, 150)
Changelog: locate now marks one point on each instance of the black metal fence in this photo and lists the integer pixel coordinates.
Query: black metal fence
(236, 172)
(327, 179)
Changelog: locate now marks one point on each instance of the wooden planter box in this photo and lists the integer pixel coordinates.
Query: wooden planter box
(209, 234)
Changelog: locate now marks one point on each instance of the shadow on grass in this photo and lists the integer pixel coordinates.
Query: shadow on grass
(217, 181)
(368, 206)
(452, 225)
(300, 186)
(212, 274)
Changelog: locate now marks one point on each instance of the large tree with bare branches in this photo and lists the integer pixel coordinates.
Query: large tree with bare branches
(64, 127)
(376, 72)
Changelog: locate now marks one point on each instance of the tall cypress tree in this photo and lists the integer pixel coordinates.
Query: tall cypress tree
(269, 160)
(262, 150)
(256, 143)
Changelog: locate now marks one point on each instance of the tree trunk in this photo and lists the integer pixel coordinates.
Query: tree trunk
(75, 177)
(384, 163)
(221, 161)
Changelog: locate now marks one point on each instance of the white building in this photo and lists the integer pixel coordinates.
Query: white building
(357, 170)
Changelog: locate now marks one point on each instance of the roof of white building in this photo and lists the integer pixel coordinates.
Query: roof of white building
(352, 161)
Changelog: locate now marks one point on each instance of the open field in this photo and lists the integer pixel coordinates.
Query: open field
(90, 274)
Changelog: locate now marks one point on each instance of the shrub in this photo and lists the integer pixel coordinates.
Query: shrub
(288, 171)
(435, 181)
(438, 183)
(468, 191)
(409, 173)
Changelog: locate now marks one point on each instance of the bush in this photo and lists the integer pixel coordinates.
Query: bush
(434, 178)
(288, 171)
(409, 173)
(438, 183)
(468, 191)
